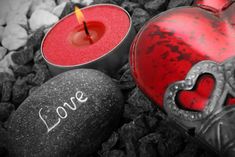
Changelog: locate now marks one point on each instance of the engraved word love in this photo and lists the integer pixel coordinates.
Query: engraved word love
(61, 110)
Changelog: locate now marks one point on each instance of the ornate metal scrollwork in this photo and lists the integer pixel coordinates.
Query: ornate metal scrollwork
(215, 125)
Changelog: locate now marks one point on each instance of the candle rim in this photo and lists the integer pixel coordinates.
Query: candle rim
(96, 59)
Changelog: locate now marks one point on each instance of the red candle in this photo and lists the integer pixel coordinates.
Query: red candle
(67, 45)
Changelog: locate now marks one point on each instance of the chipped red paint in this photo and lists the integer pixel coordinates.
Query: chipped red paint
(171, 43)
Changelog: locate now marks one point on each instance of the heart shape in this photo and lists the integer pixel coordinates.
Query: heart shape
(169, 45)
(199, 96)
(202, 68)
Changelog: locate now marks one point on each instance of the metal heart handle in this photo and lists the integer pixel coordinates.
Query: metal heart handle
(203, 67)
(214, 125)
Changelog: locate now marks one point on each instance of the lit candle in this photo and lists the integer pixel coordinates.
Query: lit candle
(96, 37)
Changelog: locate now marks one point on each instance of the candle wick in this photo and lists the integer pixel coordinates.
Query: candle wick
(87, 32)
(86, 29)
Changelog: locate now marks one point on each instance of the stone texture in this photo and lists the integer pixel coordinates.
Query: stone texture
(20, 6)
(59, 9)
(42, 18)
(55, 126)
(4, 9)
(1, 32)
(5, 111)
(6, 63)
(174, 3)
(130, 6)
(16, 18)
(139, 17)
(47, 5)
(83, 2)
(14, 37)
(3, 52)
(156, 6)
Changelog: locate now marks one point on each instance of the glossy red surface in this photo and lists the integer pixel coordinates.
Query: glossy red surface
(171, 43)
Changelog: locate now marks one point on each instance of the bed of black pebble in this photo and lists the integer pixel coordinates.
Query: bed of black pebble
(144, 131)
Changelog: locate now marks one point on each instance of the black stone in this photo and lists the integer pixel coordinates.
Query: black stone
(179, 3)
(23, 56)
(139, 17)
(20, 91)
(130, 6)
(22, 70)
(105, 1)
(137, 103)
(36, 39)
(156, 6)
(5, 111)
(47, 123)
(126, 82)
(41, 76)
(6, 90)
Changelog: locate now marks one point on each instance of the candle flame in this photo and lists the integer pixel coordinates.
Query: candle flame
(79, 15)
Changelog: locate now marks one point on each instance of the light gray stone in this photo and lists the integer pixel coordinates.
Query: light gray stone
(42, 18)
(14, 37)
(47, 5)
(59, 9)
(3, 52)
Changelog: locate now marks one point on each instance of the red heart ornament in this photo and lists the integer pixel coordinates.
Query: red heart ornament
(168, 46)
(199, 95)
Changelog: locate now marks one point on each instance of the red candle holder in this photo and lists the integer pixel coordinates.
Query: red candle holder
(67, 46)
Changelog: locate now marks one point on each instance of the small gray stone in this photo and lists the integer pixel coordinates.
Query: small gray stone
(130, 6)
(174, 3)
(3, 52)
(5, 111)
(42, 18)
(70, 115)
(59, 9)
(139, 17)
(14, 37)
(1, 32)
(156, 6)
(47, 5)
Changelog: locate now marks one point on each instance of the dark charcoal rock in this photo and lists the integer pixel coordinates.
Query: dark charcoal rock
(3, 141)
(114, 153)
(36, 39)
(130, 134)
(70, 115)
(126, 82)
(142, 2)
(130, 6)
(190, 150)
(5, 111)
(111, 142)
(41, 76)
(6, 77)
(20, 91)
(69, 8)
(23, 56)
(139, 18)
(137, 103)
(38, 59)
(22, 70)
(6, 82)
(6, 91)
(119, 2)
(148, 145)
(174, 3)
(105, 1)
(156, 6)
(171, 141)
